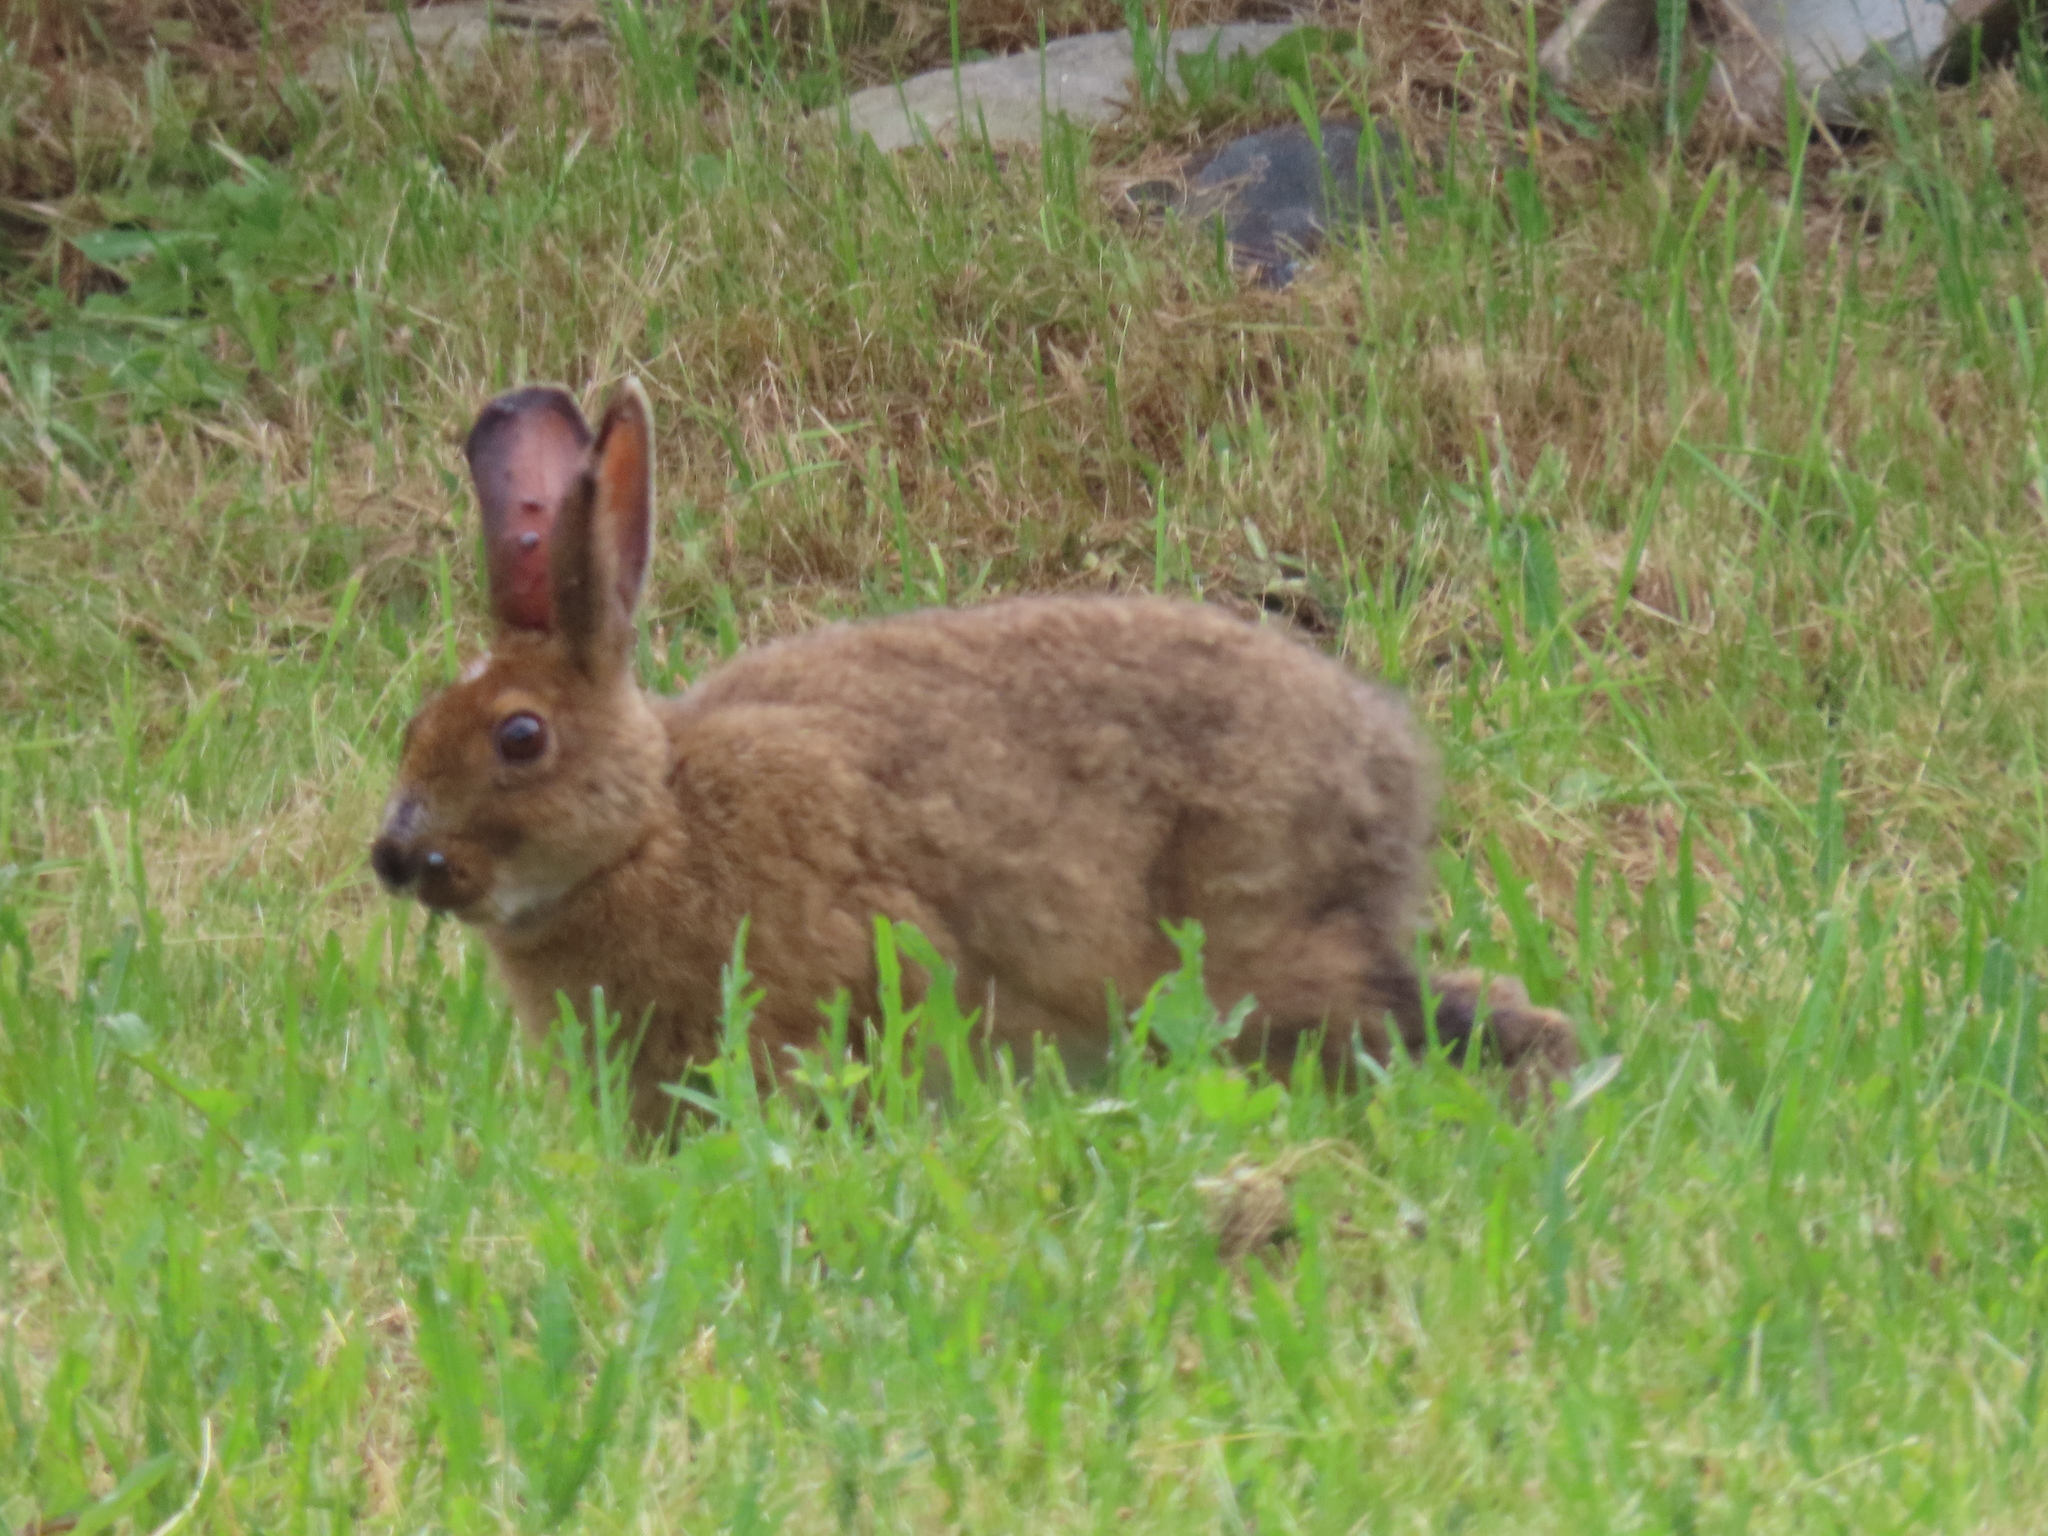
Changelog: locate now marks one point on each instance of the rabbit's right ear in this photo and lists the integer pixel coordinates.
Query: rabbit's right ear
(527, 453)
(601, 547)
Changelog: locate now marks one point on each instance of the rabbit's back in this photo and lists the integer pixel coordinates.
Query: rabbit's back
(1041, 782)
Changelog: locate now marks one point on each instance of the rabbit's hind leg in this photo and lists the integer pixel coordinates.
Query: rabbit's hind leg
(1318, 982)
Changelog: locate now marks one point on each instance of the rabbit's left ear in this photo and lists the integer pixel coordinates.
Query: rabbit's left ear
(599, 559)
(526, 453)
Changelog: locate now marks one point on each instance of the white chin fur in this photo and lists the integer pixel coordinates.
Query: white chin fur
(476, 668)
(510, 905)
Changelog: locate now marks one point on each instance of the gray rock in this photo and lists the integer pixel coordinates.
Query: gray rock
(1086, 79)
(1279, 199)
(1843, 54)
(457, 36)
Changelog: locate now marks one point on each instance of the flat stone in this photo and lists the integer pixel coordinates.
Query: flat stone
(458, 36)
(1279, 198)
(1085, 79)
(1844, 54)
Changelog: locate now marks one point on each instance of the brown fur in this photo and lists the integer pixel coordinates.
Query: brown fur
(1037, 784)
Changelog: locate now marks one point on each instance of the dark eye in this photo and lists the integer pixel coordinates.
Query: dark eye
(521, 738)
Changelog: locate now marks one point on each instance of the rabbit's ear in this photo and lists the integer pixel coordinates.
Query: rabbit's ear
(600, 553)
(526, 454)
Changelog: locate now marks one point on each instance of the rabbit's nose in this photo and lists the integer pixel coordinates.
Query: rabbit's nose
(398, 854)
(396, 864)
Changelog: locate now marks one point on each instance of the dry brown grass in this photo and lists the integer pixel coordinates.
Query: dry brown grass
(83, 102)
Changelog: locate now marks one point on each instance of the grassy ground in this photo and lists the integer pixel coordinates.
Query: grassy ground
(1697, 493)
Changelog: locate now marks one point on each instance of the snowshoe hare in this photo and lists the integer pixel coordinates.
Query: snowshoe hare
(1037, 784)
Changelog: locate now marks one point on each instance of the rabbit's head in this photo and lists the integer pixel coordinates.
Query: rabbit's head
(544, 764)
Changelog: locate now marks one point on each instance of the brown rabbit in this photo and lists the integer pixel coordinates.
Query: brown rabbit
(1037, 784)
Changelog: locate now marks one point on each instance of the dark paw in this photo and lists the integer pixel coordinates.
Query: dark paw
(1523, 1036)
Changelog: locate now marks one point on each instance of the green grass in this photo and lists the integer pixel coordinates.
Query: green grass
(1698, 499)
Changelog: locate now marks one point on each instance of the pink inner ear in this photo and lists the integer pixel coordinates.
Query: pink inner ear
(526, 452)
(524, 599)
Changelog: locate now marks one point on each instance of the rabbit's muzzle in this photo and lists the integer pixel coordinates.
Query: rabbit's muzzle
(408, 864)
